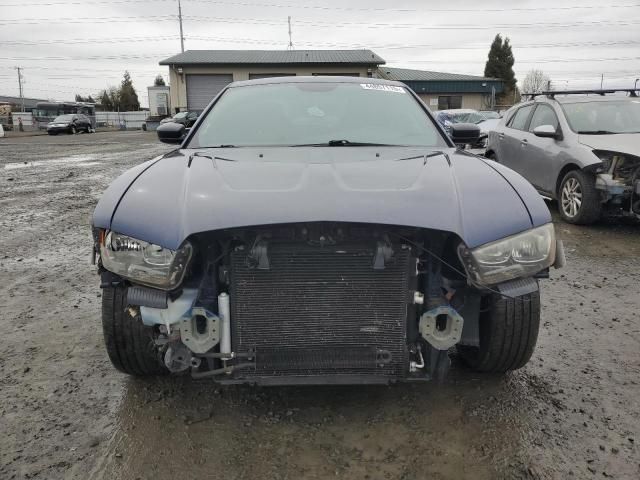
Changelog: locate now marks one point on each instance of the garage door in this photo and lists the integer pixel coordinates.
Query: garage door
(253, 76)
(202, 88)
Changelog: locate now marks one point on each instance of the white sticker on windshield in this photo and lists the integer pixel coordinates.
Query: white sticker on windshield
(384, 88)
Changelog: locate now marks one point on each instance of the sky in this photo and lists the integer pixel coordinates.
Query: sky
(83, 46)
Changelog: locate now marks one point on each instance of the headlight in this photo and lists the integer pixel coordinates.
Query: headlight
(520, 255)
(144, 262)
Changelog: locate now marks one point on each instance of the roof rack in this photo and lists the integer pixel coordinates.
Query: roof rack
(553, 93)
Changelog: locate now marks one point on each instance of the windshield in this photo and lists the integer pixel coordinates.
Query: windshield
(180, 115)
(467, 117)
(621, 116)
(490, 115)
(64, 118)
(294, 114)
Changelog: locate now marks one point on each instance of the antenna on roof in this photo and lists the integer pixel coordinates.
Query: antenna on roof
(290, 46)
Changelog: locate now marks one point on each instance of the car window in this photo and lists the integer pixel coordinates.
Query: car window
(519, 120)
(544, 115)
(63, 118)
(615, 116)
(315, 113)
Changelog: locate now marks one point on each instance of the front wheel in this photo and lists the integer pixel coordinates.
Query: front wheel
(508, 334)
(579, 200)
(73, 130)
(129, 342)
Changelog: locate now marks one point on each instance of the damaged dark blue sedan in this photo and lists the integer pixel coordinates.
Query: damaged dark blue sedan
(320, 230)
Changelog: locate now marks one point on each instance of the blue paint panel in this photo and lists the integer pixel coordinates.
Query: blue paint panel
(452, 86)
(169, 201)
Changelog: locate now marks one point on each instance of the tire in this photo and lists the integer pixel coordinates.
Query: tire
(129, 342)
(508, 334)
(578, 198)
(73, 130)
(492, 156)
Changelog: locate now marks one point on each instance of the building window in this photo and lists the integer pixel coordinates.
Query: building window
(449, 102)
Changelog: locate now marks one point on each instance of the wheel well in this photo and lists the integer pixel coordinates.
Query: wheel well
(489, 153)
(566, 169)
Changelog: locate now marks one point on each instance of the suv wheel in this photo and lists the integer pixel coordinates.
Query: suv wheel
(129, 342)
(578, 199)
(508, 334)
(73, 130)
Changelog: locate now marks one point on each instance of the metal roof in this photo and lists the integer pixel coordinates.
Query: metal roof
(291, 57)
(318, 79)
(406, 74)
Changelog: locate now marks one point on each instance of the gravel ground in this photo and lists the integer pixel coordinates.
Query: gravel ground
(572, 412)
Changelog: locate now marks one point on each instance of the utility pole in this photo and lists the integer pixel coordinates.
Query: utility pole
(19, 69)
(290, 46)
(601, 81)
(181, 34)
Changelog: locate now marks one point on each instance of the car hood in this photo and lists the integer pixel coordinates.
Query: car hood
(488, 125)
(628, 143)
(167, 200)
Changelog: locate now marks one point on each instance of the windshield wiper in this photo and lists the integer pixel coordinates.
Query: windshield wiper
(596, 132)
(345, 143)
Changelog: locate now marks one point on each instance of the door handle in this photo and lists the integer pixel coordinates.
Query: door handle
(501, 136)
(524, 142)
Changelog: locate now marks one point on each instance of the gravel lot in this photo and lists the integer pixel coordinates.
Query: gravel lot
(573, 412)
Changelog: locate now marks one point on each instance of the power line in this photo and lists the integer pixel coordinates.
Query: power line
(241, 40)
(418, 26)
(332, 8)
(73, 41)
(316, 23)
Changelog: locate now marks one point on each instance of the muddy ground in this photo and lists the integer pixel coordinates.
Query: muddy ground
(65, 413)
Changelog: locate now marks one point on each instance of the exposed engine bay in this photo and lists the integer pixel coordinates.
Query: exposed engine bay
(315, 303)
(619, 181)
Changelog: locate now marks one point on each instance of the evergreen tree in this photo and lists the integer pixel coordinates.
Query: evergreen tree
(159, 81)
(500, 65)
(128, 98)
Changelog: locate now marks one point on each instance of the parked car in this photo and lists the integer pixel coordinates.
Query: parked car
(71, 123)
(297, 236)
(184, 118)
(582, 150)
(467, 115)
(490, 114)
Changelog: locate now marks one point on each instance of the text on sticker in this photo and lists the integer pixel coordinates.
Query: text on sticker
(384, 88)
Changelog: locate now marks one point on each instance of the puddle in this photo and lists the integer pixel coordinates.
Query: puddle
(80, 160)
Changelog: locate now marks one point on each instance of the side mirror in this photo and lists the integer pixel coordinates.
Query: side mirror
(464, 133)
(546, 131)
(171, 132)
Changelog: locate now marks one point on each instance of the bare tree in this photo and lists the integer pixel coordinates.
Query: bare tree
(535, 82)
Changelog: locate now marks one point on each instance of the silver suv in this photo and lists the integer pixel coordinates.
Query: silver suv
(578, 148)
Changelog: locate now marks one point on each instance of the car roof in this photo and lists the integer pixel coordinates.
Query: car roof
(316, 79)
(586, 98)
(459, 110)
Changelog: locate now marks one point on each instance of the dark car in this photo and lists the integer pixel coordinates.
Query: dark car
(320, 230)
(71, 123)
(184, 118)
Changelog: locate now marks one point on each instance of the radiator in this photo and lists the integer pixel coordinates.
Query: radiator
(321, 310)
